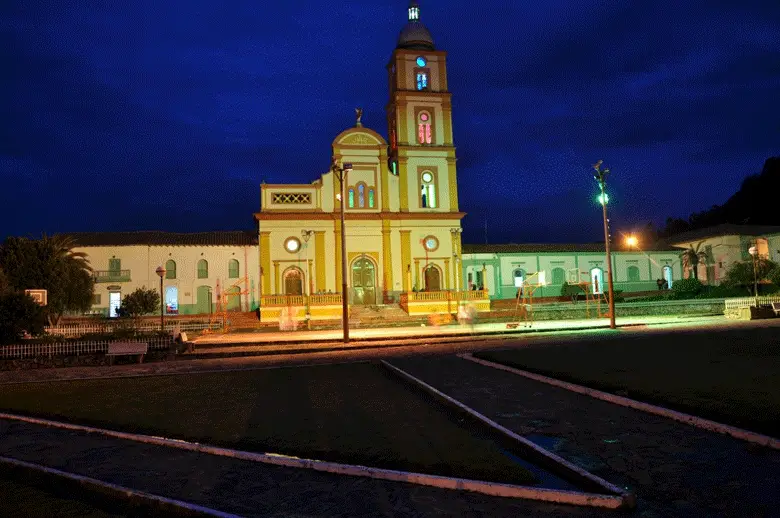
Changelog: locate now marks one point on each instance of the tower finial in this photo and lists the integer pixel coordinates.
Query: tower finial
(414, 11)
(359, 115)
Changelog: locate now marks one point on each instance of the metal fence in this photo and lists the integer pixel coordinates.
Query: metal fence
(746, 302)
(83, 329)
(33, 350)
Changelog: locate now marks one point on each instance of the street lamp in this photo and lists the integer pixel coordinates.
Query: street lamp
(753, 251)
(306, 235)
(601, 178)
(632, 241)
(161, 273)
(341, 173)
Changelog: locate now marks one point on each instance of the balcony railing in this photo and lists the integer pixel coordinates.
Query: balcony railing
(111, 275)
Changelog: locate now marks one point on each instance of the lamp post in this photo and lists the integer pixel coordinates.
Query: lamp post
(753, 251)
(601, 178)
(342, 173)
(160, 271)
(306, 235)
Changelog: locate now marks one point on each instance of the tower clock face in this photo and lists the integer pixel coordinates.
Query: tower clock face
(427, 177)
(421, 62)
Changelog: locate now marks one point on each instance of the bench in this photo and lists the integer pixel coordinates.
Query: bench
(127, 349)
(776, 308)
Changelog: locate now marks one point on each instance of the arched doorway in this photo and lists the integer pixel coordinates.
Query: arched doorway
(668, 276)
(363, 281)
(597, 281)
(432, 278)
(293, 281)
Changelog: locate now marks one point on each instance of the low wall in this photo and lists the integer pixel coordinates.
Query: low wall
(570, 311)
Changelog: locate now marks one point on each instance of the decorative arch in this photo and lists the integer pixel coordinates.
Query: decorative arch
(633, 273)
(361, 136)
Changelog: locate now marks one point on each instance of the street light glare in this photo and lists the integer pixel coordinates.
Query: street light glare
(603, 198)
(632, 241)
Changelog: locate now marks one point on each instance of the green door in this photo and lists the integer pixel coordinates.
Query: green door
(234, 299)
(203, 299)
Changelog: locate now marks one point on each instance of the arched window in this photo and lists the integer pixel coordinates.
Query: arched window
(371, 199)
(203, 269)
(558, 275)
(424, 128)
(428, 190)
(351, 198)
(170, 269)
(519, 277)
(233, 269)
(361, 191)
(633, 273)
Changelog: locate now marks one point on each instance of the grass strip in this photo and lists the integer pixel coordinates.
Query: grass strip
(353, 413)
(728, 376)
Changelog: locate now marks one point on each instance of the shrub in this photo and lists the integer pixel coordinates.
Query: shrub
(774, 276)
(687, 288)
(140, 302)
(19, 313)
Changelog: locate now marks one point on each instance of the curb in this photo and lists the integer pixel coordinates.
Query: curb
(477, 486)
(618, 499)
(164, 505)
(699, 422)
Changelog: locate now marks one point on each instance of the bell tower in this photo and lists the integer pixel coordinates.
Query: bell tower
(419, 118)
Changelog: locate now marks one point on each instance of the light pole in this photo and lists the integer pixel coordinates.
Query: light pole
(753, 251)
(341, 173)
(306, 235)
(601, 178)
(160, 271)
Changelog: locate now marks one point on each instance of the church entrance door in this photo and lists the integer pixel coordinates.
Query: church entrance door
(363, 281)
(432, 279)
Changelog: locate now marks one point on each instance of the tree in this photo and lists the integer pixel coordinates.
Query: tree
(692, 257)
(51, 264)
(741, 273)
(140, 302)
(774, 276)
(5, 286)
(19, 313)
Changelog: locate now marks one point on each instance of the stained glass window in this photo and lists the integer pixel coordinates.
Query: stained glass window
(361, 196)
(422, 80)
(351, 198)
(371, 198)
(424, 128)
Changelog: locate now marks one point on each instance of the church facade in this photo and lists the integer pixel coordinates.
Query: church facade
(403, 224)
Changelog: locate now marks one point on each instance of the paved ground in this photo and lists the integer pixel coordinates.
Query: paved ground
(675, 469)
(251, 489)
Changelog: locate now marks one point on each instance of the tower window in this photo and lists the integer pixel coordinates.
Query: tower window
(424, 129)
(371, 198)
(361, 195)
(422, 79)
(414, 13)
(351, 198)
(427, 190)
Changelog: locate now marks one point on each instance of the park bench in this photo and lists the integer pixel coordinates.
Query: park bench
(776, 308)
(127, 349)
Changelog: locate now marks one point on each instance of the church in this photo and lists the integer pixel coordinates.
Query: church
(402, 228)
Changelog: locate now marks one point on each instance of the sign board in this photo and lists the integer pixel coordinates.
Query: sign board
(39, 296)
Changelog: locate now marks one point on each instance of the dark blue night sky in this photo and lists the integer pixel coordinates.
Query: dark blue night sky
(168, 114)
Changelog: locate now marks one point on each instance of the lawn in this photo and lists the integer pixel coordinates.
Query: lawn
(730, 376)
(356, 413)
(21, 500)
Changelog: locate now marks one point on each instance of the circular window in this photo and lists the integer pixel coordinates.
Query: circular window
(421, 61)
(427, 177)
(292, 244)
(424, 117)
(431, 243)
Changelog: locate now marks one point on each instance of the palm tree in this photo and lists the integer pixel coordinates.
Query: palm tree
(692, 257)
